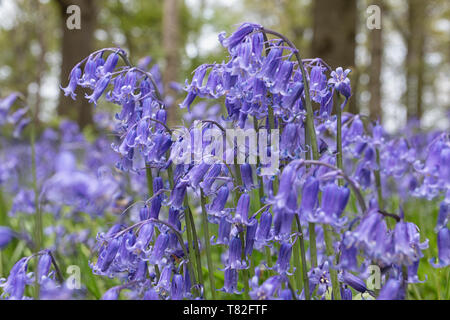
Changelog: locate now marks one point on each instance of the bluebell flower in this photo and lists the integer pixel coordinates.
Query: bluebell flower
(217, 206)
(231, 278)
(177, 290)
(74, 78)
(284, 256)
(178, 193)
(164, 285)
(263, 233)
(196, 174)
(151, 294)
(250, 236)
(291, 141)
(6, 236)
(43, 266)
(247, 176)
(236, 37)
(353, 281)
(210, 178)
(100, 87)
(142, 241)
(268, 289)
(111, 294)
(346, 293)
(156, 202)
(271, 65)
(109, 253)
(407, 245)
(234, 255)
(443, 242)
(319, 277)
(310, 195)
(224, 232)
(317, 83)
(159, 249)
(292, 95)
(334, 201)
(392, 290)
(144, 213)
(341, 82)
(110, 64)
(283, 217)
(241, 214)
(283, 76)
(14, 286)
(287, 179)
(443, 216)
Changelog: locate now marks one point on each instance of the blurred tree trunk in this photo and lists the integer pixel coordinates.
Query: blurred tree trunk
(334, 30)
(76, 44)
(415, 57)
(171, 35)
(376, 61)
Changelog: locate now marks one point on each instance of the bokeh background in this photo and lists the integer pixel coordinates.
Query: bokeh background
(399, 72)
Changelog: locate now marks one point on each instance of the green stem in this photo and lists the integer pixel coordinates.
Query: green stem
(149, 180)
(244, 271)
(311, 226)
(207, 245)
(196, 249)
(405, 280)
(190, 241)
(304, 267)
(268, 258)
(38, 228)
(339, 136)
(258, 163)
(378, 181)
(242, 233)
(272, 126)
(333, 272)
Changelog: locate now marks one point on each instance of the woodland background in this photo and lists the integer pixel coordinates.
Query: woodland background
(399, 72)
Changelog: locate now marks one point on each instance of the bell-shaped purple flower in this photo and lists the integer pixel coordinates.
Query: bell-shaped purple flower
(443, 242)
(224, 231)
(406, 242)
(100, 87)
(74, 77)
(234, 255)
(159, 249)
(392, 290)
(241, 214)
(353, 281)
(231, 278)
(43, 267)
(247, 176)
(236, 37)
(177, 290)
(210, 178)
(218, 204)
(250, 236)
(310, 194)
(263, 234)
(111, 294)
(341, 82)
(6, 236)
(178, 193)
(284, 256)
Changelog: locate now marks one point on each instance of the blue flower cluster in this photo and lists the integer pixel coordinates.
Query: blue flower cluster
(314, 229)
